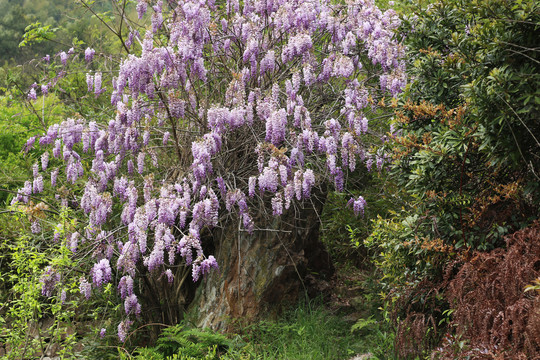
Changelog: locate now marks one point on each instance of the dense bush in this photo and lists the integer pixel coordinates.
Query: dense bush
(221, 111)
(465, 152)
(466, 147)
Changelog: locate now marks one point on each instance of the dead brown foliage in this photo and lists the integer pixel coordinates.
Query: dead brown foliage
(416, 316)
(411, 339)
(493, 314)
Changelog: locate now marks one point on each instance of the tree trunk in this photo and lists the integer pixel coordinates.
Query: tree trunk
(263, 271)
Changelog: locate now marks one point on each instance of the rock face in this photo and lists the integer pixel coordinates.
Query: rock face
(263, 271)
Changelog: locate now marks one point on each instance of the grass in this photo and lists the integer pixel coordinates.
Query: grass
(310, 331)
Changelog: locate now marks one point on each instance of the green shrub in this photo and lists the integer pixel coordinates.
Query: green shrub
(465, 177)
(22, 287)
(18, 121)
(464, 154)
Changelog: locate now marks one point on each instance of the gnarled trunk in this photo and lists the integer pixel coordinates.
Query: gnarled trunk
(263, 271)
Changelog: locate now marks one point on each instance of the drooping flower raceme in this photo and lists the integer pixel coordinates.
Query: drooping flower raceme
(48, 281)
(89, 54)
(257, 103)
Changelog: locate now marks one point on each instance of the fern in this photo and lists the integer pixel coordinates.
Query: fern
(363, 324)
(187, 343)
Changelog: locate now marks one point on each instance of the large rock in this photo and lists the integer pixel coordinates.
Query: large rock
(263, 271)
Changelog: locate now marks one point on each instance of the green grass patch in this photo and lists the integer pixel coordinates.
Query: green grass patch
(307, 332)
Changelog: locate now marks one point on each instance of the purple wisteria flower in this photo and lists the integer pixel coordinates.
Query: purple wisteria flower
(166, 136)
(44, 160)
(239, 85)
(54, 176)
(85, 287)
(308, 182)
(97, 84)
(35, 226)
(89, 82)
(277, 204)
(125, 286)
(89, 54)
(131, 305)
(22, 194)
(63, 57)
(358, 205)
(141, 8)
(73, 242)
(38, 184)
(201, 268)
(170, 276)
(32, 94)
(48, 281)
(131, 36)
(123, 329)
(268, 62)
(101, 273)
(30, 143)
(276, 126)
(252, 183)
(268, 180)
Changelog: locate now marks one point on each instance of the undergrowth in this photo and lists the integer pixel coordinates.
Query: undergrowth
(310, 331)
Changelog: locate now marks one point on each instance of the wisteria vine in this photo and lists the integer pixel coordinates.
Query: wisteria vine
(258, 103)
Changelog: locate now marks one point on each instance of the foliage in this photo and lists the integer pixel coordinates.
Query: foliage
(35, 33)
(12, 25)
(307, 332)
(184, 343)
(191, 342)
(375, 338)
(465, 188)
(33, 321)
(468, 152)
(220, 107)
(402, 256)
(37, 320)
(458, 209)
(483, 54)
(18, 121)
(410, 268)
(493, 315)
(465, 154)
(342, 232)
(43, 27)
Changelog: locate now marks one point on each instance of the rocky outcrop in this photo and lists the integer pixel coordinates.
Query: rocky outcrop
(263, 271)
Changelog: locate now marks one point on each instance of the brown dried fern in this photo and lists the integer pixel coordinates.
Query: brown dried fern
(498, 319)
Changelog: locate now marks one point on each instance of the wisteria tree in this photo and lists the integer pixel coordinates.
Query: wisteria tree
(228, 115)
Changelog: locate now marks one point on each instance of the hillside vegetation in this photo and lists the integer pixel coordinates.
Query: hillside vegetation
(269, 180)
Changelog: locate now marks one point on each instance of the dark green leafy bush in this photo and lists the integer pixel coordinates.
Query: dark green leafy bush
(465, 150)
(467, 147)
(465, 153)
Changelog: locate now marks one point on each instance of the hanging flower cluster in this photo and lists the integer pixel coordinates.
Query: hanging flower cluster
(271, 97)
